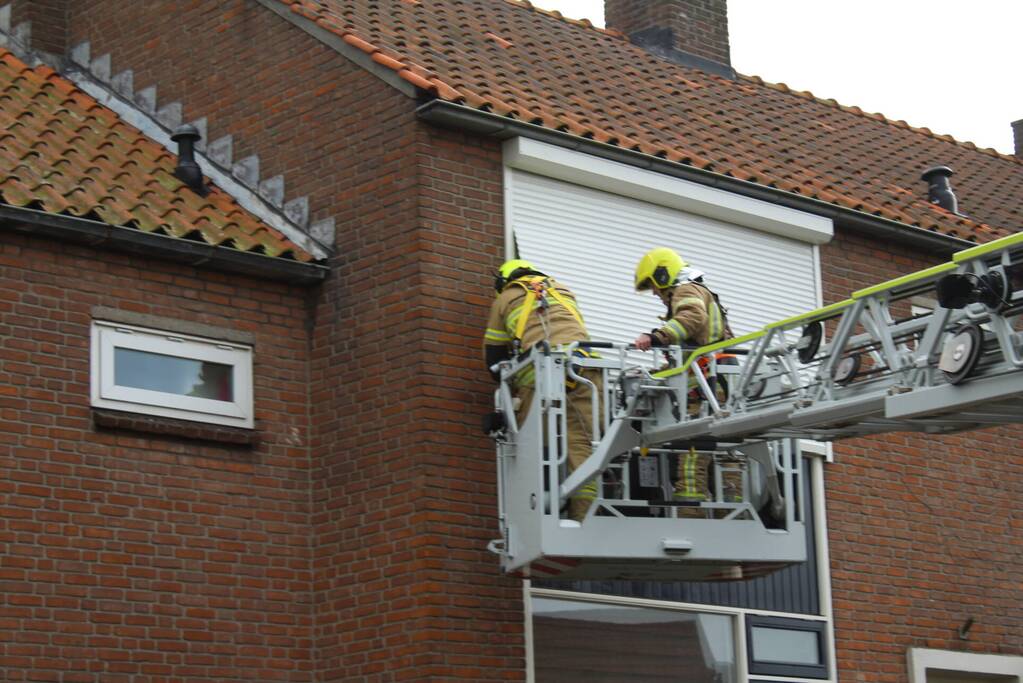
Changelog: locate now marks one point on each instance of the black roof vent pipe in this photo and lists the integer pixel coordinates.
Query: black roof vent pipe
(939, 191)
(188, 170)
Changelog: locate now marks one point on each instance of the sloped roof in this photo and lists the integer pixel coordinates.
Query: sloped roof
(509, 58)
(64, 153)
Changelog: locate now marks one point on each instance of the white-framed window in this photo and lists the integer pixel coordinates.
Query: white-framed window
(786, 646)
(167, 374)
(576, 637)
(949, 666)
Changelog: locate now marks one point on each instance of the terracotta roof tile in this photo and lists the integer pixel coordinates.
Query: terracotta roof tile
(63, 152)
(566, 75)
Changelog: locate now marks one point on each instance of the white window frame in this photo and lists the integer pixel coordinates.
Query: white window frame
(108, 336)
(921, 660)
(826, 617)
(738, 627)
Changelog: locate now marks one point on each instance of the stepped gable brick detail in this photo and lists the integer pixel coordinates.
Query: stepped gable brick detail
(67, 154)
(49, 21)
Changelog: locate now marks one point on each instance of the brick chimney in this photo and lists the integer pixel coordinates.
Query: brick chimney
(1017, 135)
(689, 32)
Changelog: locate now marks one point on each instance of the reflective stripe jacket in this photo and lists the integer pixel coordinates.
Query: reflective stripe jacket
(694, 317)
(555, 319)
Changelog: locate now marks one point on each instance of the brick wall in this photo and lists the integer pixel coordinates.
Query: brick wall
(924, 531)
(127, 556)
(49, 23)
(400, 485)
(403, 489)
(699, 27)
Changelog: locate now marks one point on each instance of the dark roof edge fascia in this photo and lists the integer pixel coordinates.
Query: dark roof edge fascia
(450, 115)
(129, 240)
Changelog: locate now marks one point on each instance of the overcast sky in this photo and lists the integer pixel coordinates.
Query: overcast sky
(952, 66)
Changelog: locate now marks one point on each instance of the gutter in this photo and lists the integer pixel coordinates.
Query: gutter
(457, 116)
(127, 240)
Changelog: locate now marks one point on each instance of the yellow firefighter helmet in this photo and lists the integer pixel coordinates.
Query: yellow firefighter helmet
(513, 270)
(659, 268)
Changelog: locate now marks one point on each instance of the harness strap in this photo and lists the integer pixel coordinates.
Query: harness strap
(536, 288)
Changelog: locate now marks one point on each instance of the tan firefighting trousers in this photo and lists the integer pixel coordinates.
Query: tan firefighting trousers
(579, 421)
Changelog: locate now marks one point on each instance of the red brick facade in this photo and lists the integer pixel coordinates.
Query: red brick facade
(401, 489)
(49, 20)
(347, 544)
(132, 556)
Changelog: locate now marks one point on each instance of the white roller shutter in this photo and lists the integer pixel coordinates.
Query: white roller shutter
(591, 240)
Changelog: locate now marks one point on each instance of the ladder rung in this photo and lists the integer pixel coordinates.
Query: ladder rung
(676, 503)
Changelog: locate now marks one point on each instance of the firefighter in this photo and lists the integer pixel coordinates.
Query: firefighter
(532, 307)
(694, 317)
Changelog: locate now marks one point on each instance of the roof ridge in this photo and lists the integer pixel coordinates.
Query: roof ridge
(586, 23)
(898, 123)
(878, 116)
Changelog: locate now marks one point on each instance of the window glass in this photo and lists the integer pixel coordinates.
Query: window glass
(781, 645)
(579, 642)
(155, 372)
(172, 374)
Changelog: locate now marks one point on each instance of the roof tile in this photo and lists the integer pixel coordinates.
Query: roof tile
(65, 153)
(565, 75)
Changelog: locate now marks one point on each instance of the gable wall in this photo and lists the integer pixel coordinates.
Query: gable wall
(127, 555)
(402, 485)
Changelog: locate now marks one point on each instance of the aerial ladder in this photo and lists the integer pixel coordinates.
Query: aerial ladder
(936, 351)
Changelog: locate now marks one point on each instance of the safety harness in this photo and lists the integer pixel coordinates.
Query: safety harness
(537, 288)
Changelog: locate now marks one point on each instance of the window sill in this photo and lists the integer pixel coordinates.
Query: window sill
(167, 426)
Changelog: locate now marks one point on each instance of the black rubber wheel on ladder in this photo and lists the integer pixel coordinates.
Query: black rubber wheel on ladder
(961, 352)
(847, 368)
